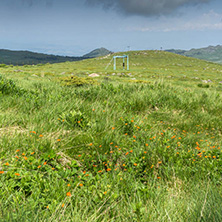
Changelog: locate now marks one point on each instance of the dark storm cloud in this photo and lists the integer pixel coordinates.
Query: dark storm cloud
(146, 7)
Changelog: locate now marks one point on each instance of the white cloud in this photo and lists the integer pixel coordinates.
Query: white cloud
(205, 21)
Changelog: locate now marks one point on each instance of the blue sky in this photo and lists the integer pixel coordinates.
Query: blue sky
(75, 27)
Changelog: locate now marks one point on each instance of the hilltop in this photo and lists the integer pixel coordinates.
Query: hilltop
(210, 53)
(97, 53)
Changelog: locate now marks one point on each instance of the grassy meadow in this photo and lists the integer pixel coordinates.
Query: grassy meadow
(137, 145)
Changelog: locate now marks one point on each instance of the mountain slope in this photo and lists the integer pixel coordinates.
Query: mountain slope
(210, 53)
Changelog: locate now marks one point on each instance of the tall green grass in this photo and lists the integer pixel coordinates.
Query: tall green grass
(115, 151)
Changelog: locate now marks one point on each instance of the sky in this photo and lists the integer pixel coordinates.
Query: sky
(75, 27)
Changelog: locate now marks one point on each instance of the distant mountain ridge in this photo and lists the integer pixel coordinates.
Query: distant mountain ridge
(10, 57)
(210, 53)
(28, 58)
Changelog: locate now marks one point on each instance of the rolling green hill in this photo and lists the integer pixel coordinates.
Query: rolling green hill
(210, 53)
(152, 65)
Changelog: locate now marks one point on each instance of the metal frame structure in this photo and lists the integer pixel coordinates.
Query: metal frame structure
(123, 57)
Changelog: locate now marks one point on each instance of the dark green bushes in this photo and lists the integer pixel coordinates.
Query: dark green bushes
(203, 85)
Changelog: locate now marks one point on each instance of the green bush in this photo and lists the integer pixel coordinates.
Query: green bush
(74, 119)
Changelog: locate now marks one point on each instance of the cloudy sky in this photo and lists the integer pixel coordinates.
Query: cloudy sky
(75, 27)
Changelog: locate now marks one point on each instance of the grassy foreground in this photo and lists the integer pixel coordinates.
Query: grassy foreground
(134, 146)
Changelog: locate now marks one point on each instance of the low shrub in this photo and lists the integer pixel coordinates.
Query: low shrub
(77, 81)
(8, 86)
(74, 119)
